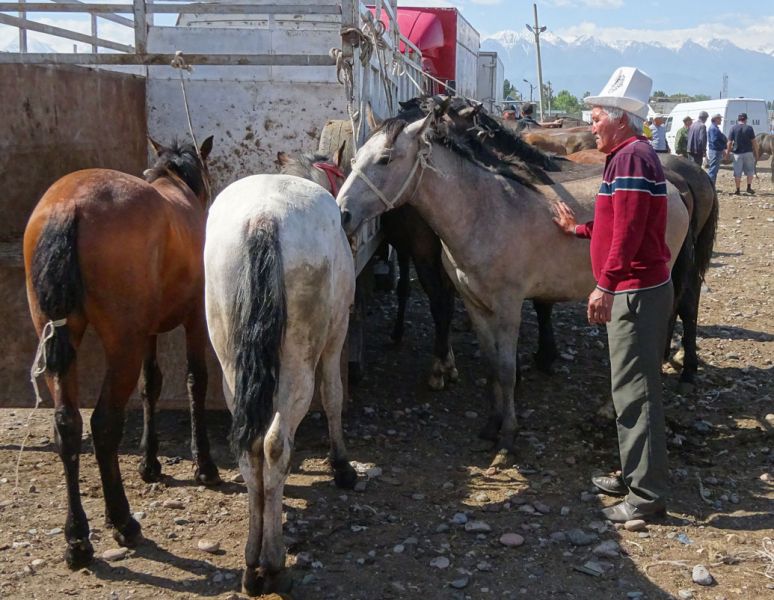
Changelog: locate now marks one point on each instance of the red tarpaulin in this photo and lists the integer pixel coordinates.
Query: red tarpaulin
(434, 32)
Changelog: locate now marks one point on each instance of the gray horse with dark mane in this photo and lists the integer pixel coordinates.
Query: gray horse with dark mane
(494, 219)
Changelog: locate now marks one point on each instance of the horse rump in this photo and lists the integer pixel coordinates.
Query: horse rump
(258, 326)
(57, 283)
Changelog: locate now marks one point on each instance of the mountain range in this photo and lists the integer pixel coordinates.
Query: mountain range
(584, 64)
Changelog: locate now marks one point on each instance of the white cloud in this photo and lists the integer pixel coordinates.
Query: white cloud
(487, 2)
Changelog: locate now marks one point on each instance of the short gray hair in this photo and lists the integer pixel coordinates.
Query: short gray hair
(615, 114)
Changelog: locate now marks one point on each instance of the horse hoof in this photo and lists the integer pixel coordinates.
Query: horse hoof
(544, 361)
(453, 374)
(257, 582)
(436, 382)
(150, 471)
(344, 475)
(501, 460)
(79, 554)
(207, 474)
(129, 534)
(490, 430)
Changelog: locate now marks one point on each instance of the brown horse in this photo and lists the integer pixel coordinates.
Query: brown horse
(766, 149)
(124, 255)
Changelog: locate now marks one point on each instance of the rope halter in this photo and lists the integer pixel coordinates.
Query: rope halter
(421, 162)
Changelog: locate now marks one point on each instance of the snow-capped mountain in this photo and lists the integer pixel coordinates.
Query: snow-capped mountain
(583, 64)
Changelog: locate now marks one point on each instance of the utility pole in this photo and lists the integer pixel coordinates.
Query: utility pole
(724, 93)
(531, 87)
(537, 30)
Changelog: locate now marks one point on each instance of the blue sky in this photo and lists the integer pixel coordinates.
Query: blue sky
(669, 21)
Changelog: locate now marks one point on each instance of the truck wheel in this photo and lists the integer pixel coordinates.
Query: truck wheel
(333, 134)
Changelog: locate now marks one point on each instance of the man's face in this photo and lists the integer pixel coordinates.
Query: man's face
(688, 122)
(608, 133)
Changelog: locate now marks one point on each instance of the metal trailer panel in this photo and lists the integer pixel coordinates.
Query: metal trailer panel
(253, 111)
(490, 80)
(468, 43)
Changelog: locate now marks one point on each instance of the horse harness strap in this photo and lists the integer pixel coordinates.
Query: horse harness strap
(332, 172)
(422, 159)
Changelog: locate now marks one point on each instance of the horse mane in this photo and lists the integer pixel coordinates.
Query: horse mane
(181, 159)
(302, 165)
(392, 128)
(470, 132)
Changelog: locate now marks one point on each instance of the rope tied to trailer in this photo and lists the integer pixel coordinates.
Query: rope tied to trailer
(38, 368)
(179, 63)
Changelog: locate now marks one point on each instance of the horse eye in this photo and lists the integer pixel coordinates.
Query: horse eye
(383, 160)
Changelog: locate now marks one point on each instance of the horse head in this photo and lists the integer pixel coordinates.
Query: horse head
(385, 171)
(183, 161)
(326, 172)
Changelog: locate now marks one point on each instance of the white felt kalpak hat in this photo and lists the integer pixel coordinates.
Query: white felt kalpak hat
(628, 89)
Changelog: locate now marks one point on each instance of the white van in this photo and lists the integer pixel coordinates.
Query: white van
(757, 115)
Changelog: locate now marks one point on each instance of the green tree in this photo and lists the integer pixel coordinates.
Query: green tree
(566, 102)
(509, 90)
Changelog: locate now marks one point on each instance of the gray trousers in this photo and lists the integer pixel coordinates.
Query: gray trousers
(637, 339)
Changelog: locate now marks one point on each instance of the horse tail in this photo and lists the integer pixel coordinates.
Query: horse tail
(257, 331)
(705, 240)
(58, 284)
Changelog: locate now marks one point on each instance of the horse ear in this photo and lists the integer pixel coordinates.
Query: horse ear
(373, 121)
(157, 148)
(430, 118)
(282, 159)
(206, 148)
(339, 154)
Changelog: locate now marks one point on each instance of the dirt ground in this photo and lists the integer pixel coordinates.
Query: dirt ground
(403, 535)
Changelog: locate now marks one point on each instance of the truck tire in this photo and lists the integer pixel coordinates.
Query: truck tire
(333, 134)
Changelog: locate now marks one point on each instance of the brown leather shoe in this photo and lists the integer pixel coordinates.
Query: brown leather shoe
(622, 512)
(612, 486)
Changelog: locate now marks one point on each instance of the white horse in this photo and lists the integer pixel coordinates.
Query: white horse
(279, 281)
(495, 222)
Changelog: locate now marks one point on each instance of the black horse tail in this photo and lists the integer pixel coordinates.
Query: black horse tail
(258, 327)
(706, 238)
(58, 285)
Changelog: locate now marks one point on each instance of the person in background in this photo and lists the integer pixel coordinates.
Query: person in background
(527, 120)
(697, 138)
(647, 130)
(681, 138)
(716, 147)
(658, 138)
(633, 295)
(742, 143)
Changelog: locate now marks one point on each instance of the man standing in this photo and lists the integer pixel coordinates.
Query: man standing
(658, 136)
(633, 296)
(681, 139)
(742, 142)
(527, 120)
(697, 138)
(716, 147)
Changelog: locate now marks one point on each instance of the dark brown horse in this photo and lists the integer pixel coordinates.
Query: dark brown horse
(107, 249)
(766, 149)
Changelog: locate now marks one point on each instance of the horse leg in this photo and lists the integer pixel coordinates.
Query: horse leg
(107, 423)
(68, 429)
(151, 380)
(487, 341)
(440, 293)
(196, 344)
(404, 287)
(546, 353)
(251, 468)
(689, 314)
(332, 397)
(294, 396)
(505, 367)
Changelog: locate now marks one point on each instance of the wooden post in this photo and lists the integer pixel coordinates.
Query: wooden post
(140, 27)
